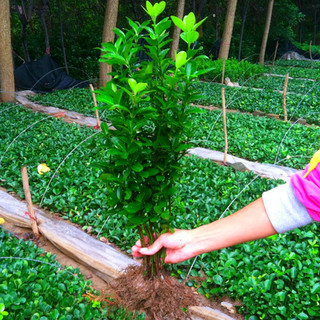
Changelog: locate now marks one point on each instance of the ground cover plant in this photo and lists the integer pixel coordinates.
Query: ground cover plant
(297, 63)
(235, 70)
(295, 86)
(205, 191)
(249, 100)
(258, 138)
(78, 100)
(315, 50)
(247, 134)
(295, 72)
(34, 286)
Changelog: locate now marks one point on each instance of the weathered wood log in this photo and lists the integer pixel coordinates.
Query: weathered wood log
(207, 313)
(69, 116)
(104, 260)
(270, 171)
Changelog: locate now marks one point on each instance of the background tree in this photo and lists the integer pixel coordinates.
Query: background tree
(176, 30)
(266, 32)
(293, 20)
(228, 28)
(24, 10)
(110, 22)
(243, 22)
(6, 64)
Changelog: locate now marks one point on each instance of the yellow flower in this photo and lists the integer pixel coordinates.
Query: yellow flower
(43, 168)
(2, 221)
(313, 163)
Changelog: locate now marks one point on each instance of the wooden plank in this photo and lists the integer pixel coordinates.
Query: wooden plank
(207, 313)
(98, 256)
(264, 170)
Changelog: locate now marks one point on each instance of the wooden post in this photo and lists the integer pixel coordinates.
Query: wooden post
(310, 54)
(223, 70)
(31, 213)
(285, 97)
(224, 125)
(274, 56)
(95, 104)
(7, 90)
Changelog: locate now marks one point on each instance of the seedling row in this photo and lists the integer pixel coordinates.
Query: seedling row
(205, 192)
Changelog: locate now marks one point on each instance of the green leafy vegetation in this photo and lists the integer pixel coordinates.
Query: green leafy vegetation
(306, 47)
(258, 138)
(295, 86)
(34, 286)
(79, 100)
(205, 191)
(297, 63)
(249, 100)
(296, 72)
(234, 69)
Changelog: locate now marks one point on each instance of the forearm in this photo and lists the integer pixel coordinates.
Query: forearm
(247, 224)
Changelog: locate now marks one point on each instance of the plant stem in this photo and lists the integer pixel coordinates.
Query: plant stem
(146, 259)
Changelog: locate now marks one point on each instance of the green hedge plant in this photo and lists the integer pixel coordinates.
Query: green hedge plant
(148, 104)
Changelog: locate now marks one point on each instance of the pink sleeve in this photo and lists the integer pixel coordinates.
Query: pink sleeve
(307, 190)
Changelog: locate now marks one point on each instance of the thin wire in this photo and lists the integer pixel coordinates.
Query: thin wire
(20, 135)
(61, 163)
(47, 263)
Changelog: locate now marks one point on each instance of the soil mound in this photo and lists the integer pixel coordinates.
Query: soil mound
(160, 298)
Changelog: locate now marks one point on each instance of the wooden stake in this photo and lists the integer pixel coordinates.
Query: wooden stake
(31, 213)
(285, 97)
(274, 56)
(95, 104)
(223, 69)
(310, 53)
(224, 125)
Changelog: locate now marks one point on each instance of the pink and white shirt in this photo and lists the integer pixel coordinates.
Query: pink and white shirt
(296, 203)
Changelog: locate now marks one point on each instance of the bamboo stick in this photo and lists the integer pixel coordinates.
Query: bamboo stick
(95, 104)
(31, 213)
(223, 70)
(224, 125)
(284, 104)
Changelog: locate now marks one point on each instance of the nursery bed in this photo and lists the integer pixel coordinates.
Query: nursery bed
(291, 144)
(205, 192)
(27, 273)
(250, 100)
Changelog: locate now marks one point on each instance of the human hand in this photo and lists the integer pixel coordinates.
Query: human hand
(178, 245)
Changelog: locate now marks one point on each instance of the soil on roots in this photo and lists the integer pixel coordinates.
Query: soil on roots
(160, 298)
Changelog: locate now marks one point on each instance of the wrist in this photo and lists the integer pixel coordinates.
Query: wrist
(202, 240)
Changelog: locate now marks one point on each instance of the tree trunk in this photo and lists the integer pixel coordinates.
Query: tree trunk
(6, 63)
(110, 22)
(176, 30)
(135, 11)
(199, 11)
(315, 23)
(24, 12)
(62, 38)
(244, 18)
(43, 12)
(266, 33)
(227, 32)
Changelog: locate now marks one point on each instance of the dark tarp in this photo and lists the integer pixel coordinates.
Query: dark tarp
(44, 75)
